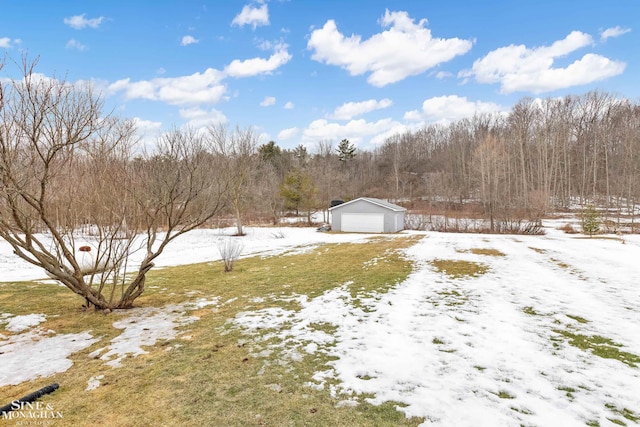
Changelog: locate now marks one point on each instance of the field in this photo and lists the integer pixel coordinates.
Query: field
(416, 328)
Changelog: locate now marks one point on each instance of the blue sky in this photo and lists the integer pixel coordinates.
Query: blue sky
(304, 71)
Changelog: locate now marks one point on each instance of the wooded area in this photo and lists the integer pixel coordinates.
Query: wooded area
(543, 156)
(67, 169)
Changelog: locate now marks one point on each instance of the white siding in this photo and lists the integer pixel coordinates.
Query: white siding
(399, 221)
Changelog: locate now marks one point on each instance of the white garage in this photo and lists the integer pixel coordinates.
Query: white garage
(367, 215)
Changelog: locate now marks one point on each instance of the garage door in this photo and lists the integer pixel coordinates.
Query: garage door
(362, 223)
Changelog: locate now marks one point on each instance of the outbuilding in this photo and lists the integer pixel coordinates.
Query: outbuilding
(367, 215)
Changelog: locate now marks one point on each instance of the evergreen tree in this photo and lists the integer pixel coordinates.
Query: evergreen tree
(270, 151)
(346, 150)
(298, 191)
(300, 152)
(590, 221)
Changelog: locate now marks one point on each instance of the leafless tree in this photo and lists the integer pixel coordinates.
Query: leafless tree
(237, 151)
(267, 192)
(75, 203)
(325, 171)
(490, 160)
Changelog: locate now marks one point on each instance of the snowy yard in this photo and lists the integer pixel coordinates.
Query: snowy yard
(547, 335)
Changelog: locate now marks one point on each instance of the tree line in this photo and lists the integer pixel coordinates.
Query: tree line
(544, 155)
(81, 201)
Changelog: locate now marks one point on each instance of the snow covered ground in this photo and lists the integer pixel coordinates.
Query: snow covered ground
(489, 350)
(198, 246)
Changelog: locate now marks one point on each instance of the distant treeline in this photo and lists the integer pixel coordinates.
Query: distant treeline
(542, 155)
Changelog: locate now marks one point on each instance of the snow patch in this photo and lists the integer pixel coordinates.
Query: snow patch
(38, 353)
(21, 323)
(144, 327)
(94, 382)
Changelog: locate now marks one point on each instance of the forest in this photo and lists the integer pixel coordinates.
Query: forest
(544, 156)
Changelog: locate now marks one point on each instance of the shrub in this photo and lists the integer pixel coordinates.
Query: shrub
(230, 250)
(568, 228)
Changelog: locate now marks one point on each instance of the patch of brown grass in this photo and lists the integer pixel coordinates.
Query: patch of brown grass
(459, 269)
(211, 378)
(484, 251)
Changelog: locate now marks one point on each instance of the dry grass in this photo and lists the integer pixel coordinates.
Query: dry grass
(211, 379)
(456, 269)
(484, 251)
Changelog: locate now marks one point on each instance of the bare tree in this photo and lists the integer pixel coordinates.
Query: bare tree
(238, 155)
(325, 172)
(74, 203)
(267, 192)
(490, 156)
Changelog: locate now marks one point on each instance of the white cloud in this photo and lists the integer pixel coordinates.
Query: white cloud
(267, 44)
(256, 66)
(351, 109)
(289, 105)
(355, 130)
(288, 133)
(97, 85)
(74, 44)
(589, 69)
(79, 22)
(197, 88)
(404, 49)
(451, 108)
(187, 40)
(268, 101)
(39, 77)
(254, 16)
(199, 118)
(147, 125)
(613, 32)
(443, 75)
(413, 116)
(147, 132)
(518, 68)
(396, 129)
(7, 43)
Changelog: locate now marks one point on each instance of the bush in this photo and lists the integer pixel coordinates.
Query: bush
(568, 228)
(230, 250)
(417, 222)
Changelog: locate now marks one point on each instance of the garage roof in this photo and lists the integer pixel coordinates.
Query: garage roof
(378, 202)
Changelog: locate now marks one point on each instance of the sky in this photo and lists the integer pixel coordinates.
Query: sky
(302, 72)
(430, 345)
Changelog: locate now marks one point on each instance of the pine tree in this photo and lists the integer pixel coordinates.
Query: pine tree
(270, 151)
(590, 221)
(298, 191)
(346, 150)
